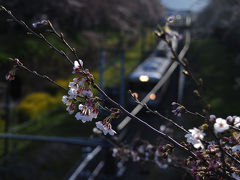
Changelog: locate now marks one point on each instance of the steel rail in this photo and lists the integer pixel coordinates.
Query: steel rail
(85, 162)
(97, 170)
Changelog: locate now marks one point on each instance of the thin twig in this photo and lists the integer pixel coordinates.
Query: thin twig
(40, 36)
(187, 68)
(235, 128)
(163, 135)
(161, 116)
(20, 64)
(61, 37)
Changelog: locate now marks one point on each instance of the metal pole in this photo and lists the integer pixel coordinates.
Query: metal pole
(122, 75)
(181, 80)
(102, 59)
(181, 83)
(6, 129)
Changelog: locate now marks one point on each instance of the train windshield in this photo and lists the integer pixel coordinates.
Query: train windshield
(139, 86)
(150, 68)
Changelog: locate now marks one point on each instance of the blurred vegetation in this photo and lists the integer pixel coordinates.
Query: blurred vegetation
(215, 64)
(34, 104)
(215, 55)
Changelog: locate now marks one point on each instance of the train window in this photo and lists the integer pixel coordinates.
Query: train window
(150, 68)
(161, 53)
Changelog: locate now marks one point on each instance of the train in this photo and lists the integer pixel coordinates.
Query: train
(147, 74)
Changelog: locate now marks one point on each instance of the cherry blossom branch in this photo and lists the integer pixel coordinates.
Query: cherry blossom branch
(235, 128)
(195, 114)
(61, 37)
(162, 34)
(160, 115)
(221, 148)
(232, 157)
(20, 64)
(163, 135)
(187, 71)
(184, 130)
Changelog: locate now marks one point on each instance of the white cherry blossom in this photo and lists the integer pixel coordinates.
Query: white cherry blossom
(87, 113)
(220, 125)
(197, 133)
(105, 127)
(66, 100)
(195, 142)
(83, 118)
(195, 138)
(237, 122)
(73, 92)
(77, 66)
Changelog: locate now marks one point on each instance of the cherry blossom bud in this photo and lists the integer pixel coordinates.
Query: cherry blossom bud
(171, 19)
(11, 75)
(42, 22)
(229, 119)
(114, 152)
(160, 148)
(212, 118)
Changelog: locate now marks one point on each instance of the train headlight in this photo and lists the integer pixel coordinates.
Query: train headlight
(144, 78)
(135, 94)
(152, 96)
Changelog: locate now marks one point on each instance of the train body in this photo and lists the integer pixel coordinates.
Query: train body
(143, 79)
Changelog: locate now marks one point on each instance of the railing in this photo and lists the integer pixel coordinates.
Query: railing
(78, 141)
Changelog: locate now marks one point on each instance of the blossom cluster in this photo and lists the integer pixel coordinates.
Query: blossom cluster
(105, 127)
(178, 109)
(144, 151)
(210, 164)
(210, 154)
(221, 125)
(80, 98)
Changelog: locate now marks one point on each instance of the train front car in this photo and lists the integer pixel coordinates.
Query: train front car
(143, 79)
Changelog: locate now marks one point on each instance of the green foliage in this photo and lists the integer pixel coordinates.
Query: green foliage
(35, 104)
